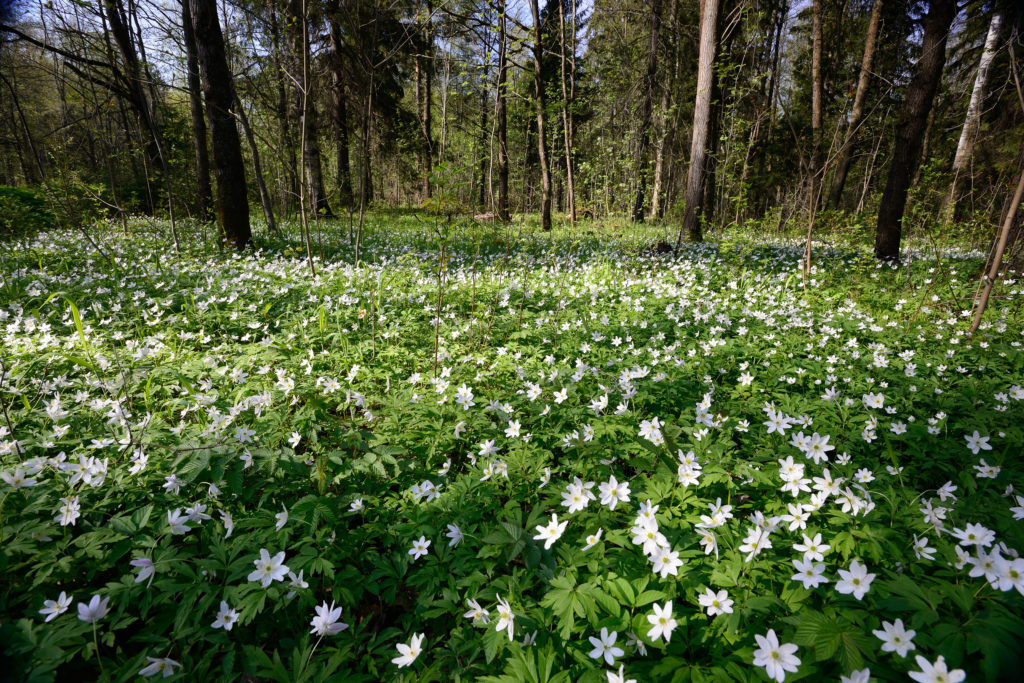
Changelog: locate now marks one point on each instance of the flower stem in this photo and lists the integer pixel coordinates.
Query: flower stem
(302, 674)
(96, 644)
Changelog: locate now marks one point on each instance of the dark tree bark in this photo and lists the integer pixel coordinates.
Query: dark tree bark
(195, 97)
(341, 141)
(298, 32)
(857, 112)
(500, 115)
(911, 127)
(701, 121)
(539, 103)
(646, 109)
(219, 92)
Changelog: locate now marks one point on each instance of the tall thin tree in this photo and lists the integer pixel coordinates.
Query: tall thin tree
(298, 31)
(424, 66)
(500, 115)
(540, 100)
(857, 111)
(817, 93)
(566, 103)
(646, 110)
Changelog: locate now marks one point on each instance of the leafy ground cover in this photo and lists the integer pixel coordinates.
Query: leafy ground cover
(486, 454)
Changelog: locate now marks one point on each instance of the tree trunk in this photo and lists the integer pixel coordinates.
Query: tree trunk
(972, 122)
(539, 102)
(764, 162)
(257, 168)
(857, 113)
(910, 128)
(219, 92)
(345, 197)
(484, 158)
(566, 119)
(137, 99)
(646, 109)
(500, 116)
(424, 71)
(691, 227)
(195, 97)
(925, 147)
(709, 203)
(816, 97)
(659, 158)
(664, 129)
(312, 160)
(133, 80)
(997, 256)
(308, 117)
(289, 184)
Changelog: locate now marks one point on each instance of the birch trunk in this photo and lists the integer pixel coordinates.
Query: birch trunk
(972, 122)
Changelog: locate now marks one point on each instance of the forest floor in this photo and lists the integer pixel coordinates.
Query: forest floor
(624, 464)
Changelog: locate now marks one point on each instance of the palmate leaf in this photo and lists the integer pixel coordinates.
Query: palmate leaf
(265, 667)
(832, 637)
(315, 508)
(534, 665)
(192, 463)
(565, 601)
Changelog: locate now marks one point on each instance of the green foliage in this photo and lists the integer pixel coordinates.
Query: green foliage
(22, 212)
